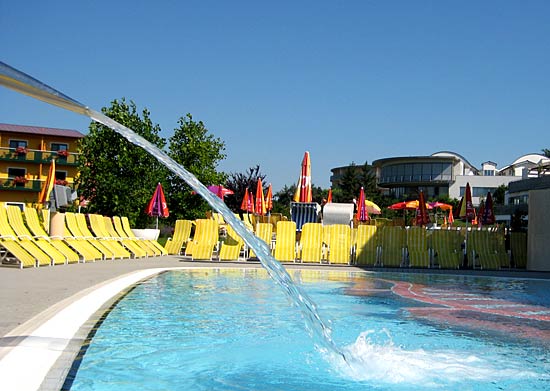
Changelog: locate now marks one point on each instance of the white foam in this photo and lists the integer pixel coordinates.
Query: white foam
(374, 357)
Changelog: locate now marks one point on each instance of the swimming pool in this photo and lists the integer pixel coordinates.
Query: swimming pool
(232, 329)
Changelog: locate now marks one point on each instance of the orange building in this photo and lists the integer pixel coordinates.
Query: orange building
(25, 156)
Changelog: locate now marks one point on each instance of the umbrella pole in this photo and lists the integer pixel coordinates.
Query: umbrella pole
(465, 259)
(157, 223)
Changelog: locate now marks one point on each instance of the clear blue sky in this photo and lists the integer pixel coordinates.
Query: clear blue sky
(350, 81)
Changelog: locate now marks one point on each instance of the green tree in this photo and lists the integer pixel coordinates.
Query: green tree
(200, 153)
(498, 195)
(118, 177)
(282, 200)
(353, 179)
(546, 152)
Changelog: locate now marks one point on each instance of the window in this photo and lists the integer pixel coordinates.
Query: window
(18, 176)
(13, 172)
(59, 147)
(488, 172)
(18, 143)
(61, 175)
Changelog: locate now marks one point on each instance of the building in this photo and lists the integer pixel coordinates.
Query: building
(447, 173)
(25, 156)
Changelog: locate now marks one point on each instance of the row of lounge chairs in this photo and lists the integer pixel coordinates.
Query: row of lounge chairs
(25, 243)
(367, 245)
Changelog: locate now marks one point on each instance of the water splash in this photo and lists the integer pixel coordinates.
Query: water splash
(373, 357)
(23, 83)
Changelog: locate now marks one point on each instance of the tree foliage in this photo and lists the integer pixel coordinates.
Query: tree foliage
(238, 182)
(117, 177)
(352, 180)
(200, 153)
(546, 152)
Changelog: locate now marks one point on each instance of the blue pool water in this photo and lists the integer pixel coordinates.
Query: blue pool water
(232, 329)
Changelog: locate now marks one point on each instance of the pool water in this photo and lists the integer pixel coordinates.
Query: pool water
(233, 329)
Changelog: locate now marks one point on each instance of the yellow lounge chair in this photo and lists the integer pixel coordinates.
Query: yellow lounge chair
(112, 245)
(518, 249)
(59, 255)
(264, 231)
(205, 239)
(446, 249)
(285, 241)
(145, 244)
(310, 248)
(7, 233)
(366, 247)
(182, 234)
(485, 250)
(417, 247)
(392, 246)
(86, 251)
(126, 227)
(231, 247)
(339, 244)
(73, 229)
(100, 226)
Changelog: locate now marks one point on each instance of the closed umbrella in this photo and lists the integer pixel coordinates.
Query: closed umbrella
(422, 217)
(362, 214)
(157, 205)
(44, 195)
(468, 212)
(303, 188)
(260, 200)
(329, 196)
(488, 217)
(269, 198)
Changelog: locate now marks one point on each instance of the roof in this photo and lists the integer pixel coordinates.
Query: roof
(41, 130)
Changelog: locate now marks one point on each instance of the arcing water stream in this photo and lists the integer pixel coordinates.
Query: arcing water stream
(25, 84)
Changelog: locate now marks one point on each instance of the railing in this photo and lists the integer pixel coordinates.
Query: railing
(37, 156)
(11, 183)
(415, 178)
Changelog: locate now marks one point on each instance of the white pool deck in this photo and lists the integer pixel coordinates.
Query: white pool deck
(48, 312)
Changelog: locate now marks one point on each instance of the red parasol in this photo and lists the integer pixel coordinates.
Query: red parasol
(303, 189)
(260, 201)
(488, 216)
(422, 217)
(220, 191)
(329, 196)
(157, 205)
(466, 207)
(362, 214)
(269, 198)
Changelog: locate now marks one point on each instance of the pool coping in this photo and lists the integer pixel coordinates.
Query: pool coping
(38, 354)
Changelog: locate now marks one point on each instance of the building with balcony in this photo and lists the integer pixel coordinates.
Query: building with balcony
(25, 156)
(446, 174)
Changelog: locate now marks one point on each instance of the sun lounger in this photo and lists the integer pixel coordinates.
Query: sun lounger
(264, 231)
(339, 244)
(231, 247)
(59, 254)
(204, 241)
(182, 234)
(518, 249)
(285, 241)
(7, 233)
(446, 249)
(128, 230)
(485, 250)
(112, 245)
(366, 246)
(310, 248)
(99, 225)
(417, 247)
(392, 246)
(147, 245)
(87, 252)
